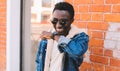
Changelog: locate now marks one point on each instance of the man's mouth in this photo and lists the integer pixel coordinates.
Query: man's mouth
(59, 29)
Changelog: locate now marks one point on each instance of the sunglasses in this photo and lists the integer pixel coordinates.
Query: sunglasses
(62, 21)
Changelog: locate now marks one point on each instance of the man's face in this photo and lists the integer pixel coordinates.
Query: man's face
(61, 21)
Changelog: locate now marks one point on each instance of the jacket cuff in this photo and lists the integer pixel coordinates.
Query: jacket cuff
(62, 43)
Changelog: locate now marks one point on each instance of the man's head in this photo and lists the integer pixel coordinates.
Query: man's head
(62, 17)
(65, 6)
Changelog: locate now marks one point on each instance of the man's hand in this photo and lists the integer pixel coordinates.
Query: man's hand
(46, 35)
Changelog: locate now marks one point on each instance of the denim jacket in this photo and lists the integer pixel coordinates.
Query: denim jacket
(74, 51)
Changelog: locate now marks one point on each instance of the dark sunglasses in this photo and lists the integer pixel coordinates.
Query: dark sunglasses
(62, 21)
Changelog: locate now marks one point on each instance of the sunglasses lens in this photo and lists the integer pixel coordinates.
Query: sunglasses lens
(54, 22)
(62, 22)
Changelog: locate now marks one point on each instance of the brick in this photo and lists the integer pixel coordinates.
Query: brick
(97, 51)
(97, 34)
(111, 68)
(96, 42)
(86, 67)
(2, 14)
(83, 8)
(3, 5)
(76, 8)
(112, 17)
(109, 44)
(116, 54)
(115, 62)
(3, 1)
(100, 8)
(98, 25)
(112, 2)
(75, 22)
(3, 47)
(2, 42)
(98, 1)
(98, 67)
(89, 32)
(90, 49)
(116, 9)
(2, 62)
(81, 24)
(85, 17)
(3, 35)
(3, 9)
(70, 1)
(99, 59)
(97, 17)
(76, 2)
(2, 52)
(2, 20)
(3, 39)
(77, 16)
(3, 28)
(108, 52)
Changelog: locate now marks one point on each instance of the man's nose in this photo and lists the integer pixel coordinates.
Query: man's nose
(58, 24)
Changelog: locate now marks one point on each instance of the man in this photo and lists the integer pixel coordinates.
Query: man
(63, 48)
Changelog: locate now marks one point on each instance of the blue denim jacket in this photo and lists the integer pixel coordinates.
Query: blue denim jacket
(74, 52)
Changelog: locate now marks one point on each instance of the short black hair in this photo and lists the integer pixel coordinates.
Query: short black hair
(65, 6)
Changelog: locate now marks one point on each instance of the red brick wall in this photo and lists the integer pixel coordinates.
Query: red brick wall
(2, 35)
(98, 16)
(95, 16)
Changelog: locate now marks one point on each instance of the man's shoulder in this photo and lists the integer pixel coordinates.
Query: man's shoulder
(78, 30)
(75, 30)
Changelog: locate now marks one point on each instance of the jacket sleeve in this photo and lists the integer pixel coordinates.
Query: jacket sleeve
(74, 47)
(40, 58)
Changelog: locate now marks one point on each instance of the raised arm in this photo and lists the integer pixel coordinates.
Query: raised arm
(76, 46)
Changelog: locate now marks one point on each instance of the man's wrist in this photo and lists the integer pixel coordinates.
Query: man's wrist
(53, 35)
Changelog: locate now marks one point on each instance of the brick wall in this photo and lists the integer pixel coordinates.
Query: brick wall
(102, 19)
(2, 35)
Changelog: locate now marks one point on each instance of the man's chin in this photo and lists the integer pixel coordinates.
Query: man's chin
(60, 32)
